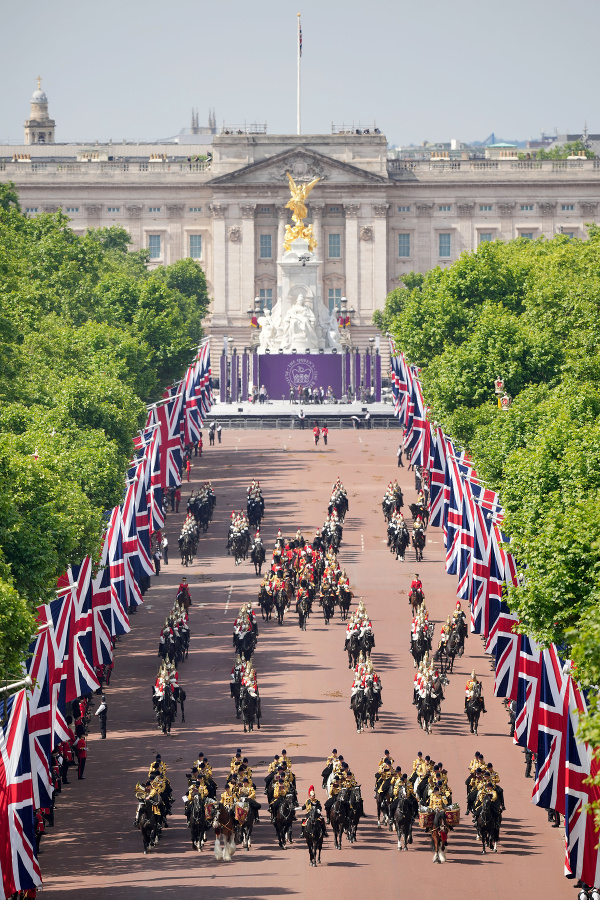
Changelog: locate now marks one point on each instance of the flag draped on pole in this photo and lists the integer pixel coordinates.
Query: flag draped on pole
(18, 857)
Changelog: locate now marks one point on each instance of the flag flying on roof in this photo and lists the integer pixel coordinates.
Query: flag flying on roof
(19, 866)
(169, 414)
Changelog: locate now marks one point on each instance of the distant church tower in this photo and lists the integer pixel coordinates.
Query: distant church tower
(39, 128)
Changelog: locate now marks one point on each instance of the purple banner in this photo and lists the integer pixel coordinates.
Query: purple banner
(368, 371)
(279, 372)
(244, 395)
(377, 378)
(223, 377)
(357, 374)
(235, 377)
(348, 367)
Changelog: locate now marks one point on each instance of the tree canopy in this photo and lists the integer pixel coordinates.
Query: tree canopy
(528, 312)
(88, 336)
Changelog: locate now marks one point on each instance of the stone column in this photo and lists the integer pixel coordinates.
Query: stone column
(283, 217)
(247, 291)
(506, 210)
(351, 256)
(465, 225)
(317, 213)
(220, 309)
(424, 237)
(176, 248)
(547, 208)
(134, 211)
(255, 359)
(380, 256)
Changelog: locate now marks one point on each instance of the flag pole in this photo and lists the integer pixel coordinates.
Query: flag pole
(299, 52)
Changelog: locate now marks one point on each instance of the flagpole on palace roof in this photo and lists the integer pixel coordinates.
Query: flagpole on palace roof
(298, 125)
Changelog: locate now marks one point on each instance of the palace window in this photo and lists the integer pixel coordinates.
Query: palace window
(526, 207)
(31, 210)
(334, 209)
(485, 208)
(266, 210)
(196, 246)
(154, 246)
(72, 209)
(154, 209)
(195, 209)
(485, 237)
(266, 249)
(404, 246)
(444, 208)
(527, 235)
(335, 246)
(568, 207)
(334, 297)
(266, 298)
(569, 234)
(113, 209)
(404, 209)
(445, 245)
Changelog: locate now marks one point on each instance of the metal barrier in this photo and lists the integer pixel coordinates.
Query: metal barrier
(293, 423)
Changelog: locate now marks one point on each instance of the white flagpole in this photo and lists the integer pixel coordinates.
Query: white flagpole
(298, 128)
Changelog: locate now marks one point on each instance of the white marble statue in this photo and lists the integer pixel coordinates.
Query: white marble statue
(299, 328)
(268, 331)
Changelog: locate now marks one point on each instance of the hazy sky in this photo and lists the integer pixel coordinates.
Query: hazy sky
(431, 70)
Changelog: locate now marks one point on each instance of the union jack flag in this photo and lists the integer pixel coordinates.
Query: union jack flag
(437, 477)
(456, 473)
(504, 644)
(549, 787)
(495, 605)
(102, 608)
(40, 666)
(116, 565)
(155, 500)
(75, 590)
(205, 389)
(192, 392)
(581, 854)
(169, 415)
(484, 504)
(529, 665)
(131, 558)
(18, 856)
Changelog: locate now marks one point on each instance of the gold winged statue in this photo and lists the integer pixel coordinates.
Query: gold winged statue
(296, 203)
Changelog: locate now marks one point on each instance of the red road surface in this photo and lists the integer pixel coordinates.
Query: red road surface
(94, 853)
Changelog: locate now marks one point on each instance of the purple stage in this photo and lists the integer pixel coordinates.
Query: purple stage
(281, 371)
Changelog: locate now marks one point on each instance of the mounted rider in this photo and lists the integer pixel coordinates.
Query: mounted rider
(250, 683)
(470, 691)
(376, 681)
(311, 803)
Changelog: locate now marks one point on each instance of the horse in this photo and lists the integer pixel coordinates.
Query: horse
(439, 836)
(236, 687)
(345, 601)
(281, 602)
(313, 835)
(403, 818)
(352, 646)
(401, 542)
(147, 822)
(249, 709)
(427, 708)
(179, 695)
(416, 510)
(488, 824)
(303, 609)
(355, 811)
(187, 548)
(461, 630)
(415, 598)
(197, 822)
(418, 541)
(328, 604)
(257, 555)
(450, 651)
(339, 816)
(166, 708)
(383, 808)
(474, 705)
(371, 703)
(223, 822)
(240, 544)
(265, 601)
(419, 646)
(245, 645)
(357, 702)
(284, 817)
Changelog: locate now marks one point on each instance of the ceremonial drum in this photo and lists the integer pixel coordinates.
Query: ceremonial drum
(453, 815)
(241, 812)
(426, 817)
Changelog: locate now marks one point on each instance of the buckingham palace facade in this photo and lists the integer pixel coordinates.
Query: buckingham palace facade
(374, 218)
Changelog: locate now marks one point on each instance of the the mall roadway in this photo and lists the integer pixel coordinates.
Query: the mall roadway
(94, 852)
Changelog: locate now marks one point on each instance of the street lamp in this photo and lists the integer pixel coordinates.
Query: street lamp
(498, 386)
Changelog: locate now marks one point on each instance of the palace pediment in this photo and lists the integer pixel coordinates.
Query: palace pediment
(303, 165)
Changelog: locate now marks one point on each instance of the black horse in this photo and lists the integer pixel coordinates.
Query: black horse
(250, 709)
(235, 688)
(474, 707)
(284, 817)
(166, 709)
(303, 609)
(418, 541)
(257, 555)
(339, 816)
(488, 823)
(246, 645)
(281, 602)
(358, 705)
(313, 835)
(197, 822)
(355, 811)
(147, 821)
(187, 548)
(419, 646)
(345, 600)
(328, 604)
(265, 601)
(404, 814)
(353, 648)
(427, 709)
